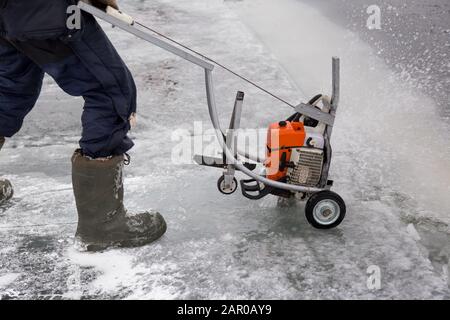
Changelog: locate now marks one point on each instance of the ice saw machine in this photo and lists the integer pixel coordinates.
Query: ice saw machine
(298, 149)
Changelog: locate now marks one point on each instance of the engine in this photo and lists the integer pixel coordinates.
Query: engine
(306, 167)
(294, 153)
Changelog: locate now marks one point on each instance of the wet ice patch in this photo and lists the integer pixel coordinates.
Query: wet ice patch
(7, 249)
(7, 279)
(74, 285)
(413, 232)
(227, 237)
(120, 274)
(116, 268)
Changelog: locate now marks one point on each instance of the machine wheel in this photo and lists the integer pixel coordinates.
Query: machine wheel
(325, 210)
(221, 186)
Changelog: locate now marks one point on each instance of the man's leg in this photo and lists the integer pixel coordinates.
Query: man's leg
(90, 67)
(20, 85)
(110, 99)
(101, 78)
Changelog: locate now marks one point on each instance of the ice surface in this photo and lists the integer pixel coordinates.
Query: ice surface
(230, 247)
(7, 279)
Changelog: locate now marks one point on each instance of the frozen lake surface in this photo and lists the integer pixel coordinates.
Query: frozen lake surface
(392, 173)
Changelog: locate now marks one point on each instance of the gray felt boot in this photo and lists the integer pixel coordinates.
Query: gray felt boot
(103, 221)
(6, 189)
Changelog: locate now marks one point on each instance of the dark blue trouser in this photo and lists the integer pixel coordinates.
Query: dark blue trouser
(86, 65)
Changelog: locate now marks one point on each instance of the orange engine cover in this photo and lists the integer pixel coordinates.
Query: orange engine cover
(281, 138)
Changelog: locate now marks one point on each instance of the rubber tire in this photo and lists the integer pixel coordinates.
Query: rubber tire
(316, 198)
(219, 182)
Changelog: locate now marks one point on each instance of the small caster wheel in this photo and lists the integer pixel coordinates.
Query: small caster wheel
(325, 210)
(221, 186)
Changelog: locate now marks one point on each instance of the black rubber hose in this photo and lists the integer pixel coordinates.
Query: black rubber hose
(314, 99)
(296, 116)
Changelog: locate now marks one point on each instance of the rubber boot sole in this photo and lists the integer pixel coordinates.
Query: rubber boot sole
(127, 243)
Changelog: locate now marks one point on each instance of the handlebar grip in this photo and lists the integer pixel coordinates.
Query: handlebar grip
(120, 15)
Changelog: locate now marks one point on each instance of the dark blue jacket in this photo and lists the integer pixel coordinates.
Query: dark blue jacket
(33, 19)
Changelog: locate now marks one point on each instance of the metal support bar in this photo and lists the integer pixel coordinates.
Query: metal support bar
(336, 83)
(329, 129)
(235, 122)
(315, 113)
(144, 35)
(231, 138)
(336, 92)
(216, 162)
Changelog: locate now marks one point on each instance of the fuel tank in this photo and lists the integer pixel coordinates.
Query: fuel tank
(282, 137)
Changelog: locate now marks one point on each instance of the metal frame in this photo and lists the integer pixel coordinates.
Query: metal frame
(232, 162)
